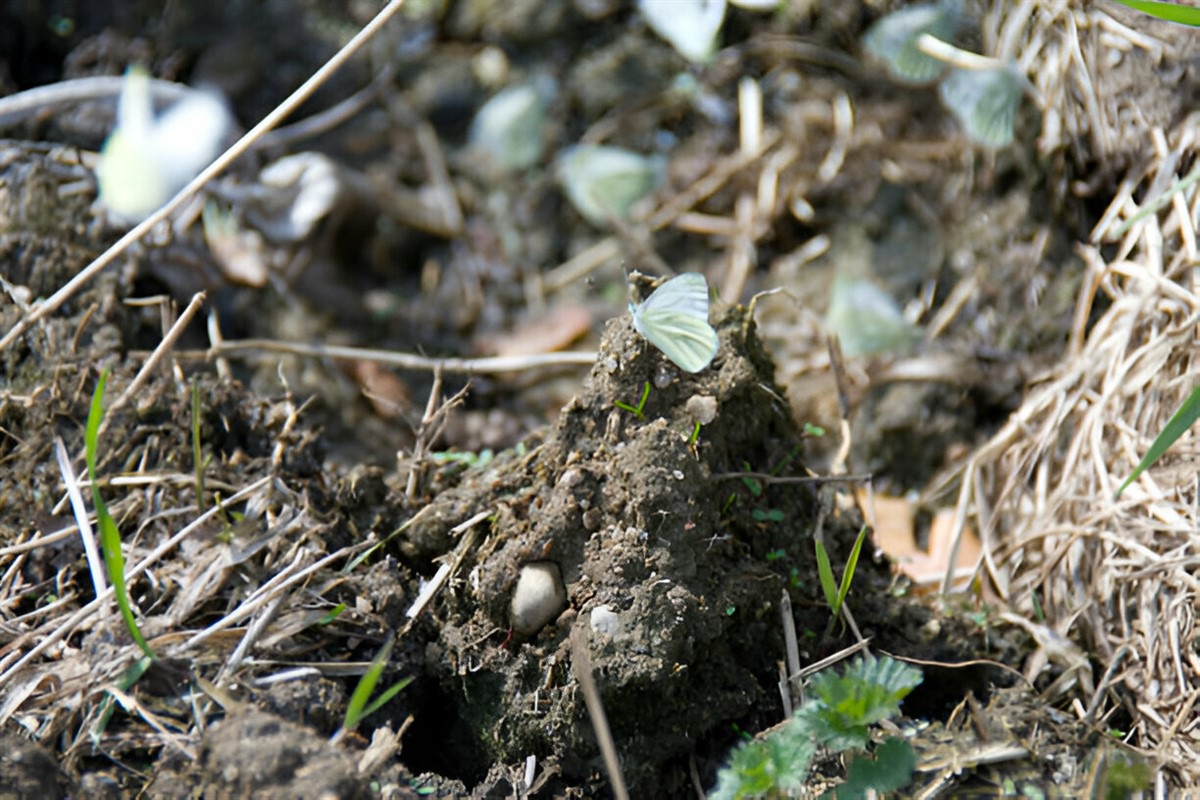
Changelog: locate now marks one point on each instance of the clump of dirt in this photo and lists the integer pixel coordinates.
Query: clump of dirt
(656, 534)
(256, 754)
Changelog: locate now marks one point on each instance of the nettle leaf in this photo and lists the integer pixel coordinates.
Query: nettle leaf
(890, 769)
(845, 705)
(893, 40)
(757, 768)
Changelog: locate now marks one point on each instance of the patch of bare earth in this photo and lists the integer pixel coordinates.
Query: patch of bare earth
(290, 500)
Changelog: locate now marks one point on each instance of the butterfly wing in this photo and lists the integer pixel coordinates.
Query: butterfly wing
(675, 320)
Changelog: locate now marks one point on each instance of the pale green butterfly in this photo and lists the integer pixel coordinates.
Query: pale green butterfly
(674, 318)
(985, 101)
(147, 159)
(894, 40)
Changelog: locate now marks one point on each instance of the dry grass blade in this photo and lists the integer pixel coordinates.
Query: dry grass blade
(581, 668)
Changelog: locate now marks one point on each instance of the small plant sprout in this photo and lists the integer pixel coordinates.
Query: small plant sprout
(893, 40)
(145, 160)
(603, 182)
(358, 707)
(674, 318)
(837, 715)
(110, 537)
(1183, 419)
(641, 404)
(199, 461)
(835, 594)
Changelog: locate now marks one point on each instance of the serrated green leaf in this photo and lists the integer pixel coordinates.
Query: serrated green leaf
(869, 691)
(890, 769)
(779, 762)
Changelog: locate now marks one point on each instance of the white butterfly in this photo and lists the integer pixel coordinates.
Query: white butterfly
(147, 159)
(675, 320)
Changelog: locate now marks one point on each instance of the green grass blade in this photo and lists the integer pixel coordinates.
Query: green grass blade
(1171, 12)
(825, 573)
(848, 575)
(388, 694)
(356, 708)
(110, 537)
(132, 674)
(1187, 414)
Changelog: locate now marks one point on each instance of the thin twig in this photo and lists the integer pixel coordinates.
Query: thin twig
(491, 365)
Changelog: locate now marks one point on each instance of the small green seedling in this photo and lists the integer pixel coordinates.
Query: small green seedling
(469, 460)
(695, 434)
(641, 405)
(838, 715)
(110, 537)
(835, 594)
(358, 708)
(985, 101)
(128, 678)
(333, 614)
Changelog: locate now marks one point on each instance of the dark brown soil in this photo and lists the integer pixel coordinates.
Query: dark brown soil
(674, 565)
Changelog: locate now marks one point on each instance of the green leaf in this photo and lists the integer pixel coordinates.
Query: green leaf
(357, 708)
(848, 575)
(985, 102)
(825, 573)
(110, 537)
(1171, 12)
(845, 705)
(890, 769)
(1187, 414)
(779, 762)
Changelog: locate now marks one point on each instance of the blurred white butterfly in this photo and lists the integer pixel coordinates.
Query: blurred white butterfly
(147, 159)
(675, 320)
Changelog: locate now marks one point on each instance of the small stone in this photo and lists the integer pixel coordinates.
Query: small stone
(538, 597)
(604, 620)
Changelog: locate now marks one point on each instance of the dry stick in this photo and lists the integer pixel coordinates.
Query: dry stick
(581, 666)
(16, 107)
(494, 364)
(67, 627)
(52, 303)
(164, 347)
